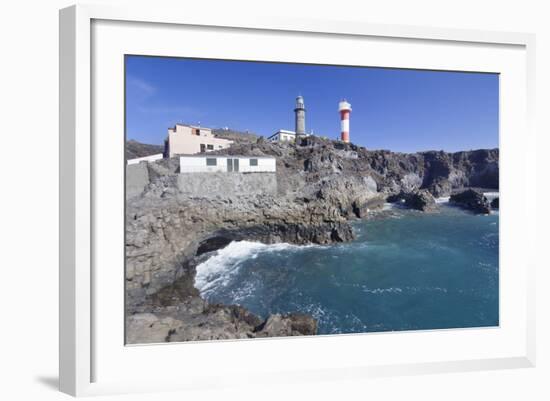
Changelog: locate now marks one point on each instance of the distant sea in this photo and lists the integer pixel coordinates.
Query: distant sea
(406, 270)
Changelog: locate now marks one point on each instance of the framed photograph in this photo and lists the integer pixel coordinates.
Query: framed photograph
(352, 198)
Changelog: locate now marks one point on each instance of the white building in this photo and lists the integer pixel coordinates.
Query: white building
(189, 139)
(227, 164)
(150, 158)
(283, 136)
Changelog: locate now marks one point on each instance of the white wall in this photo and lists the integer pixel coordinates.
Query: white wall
(198, 164)
(282, 136)
(265, 165)
(150, 158)
(29, 82)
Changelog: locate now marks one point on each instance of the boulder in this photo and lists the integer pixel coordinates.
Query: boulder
(472, 200)
(419, 200)
(295, 324)
(494, 203)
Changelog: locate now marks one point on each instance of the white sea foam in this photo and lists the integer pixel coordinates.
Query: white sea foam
(398, 290)
(443, 199)
(240, 294)
(382, 290)
(491, 195)
(217, 270)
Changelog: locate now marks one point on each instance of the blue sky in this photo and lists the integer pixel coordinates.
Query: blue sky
(399, 110)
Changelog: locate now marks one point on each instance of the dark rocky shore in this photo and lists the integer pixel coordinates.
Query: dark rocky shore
(321, 186)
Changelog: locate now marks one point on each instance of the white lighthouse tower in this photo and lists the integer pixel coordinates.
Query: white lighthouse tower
(345, 109)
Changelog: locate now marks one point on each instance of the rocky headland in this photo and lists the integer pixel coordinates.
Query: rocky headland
(321, 186)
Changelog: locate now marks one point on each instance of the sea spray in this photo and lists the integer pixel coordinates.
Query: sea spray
(218, 269)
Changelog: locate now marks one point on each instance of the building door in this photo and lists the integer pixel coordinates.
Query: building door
(232, 165)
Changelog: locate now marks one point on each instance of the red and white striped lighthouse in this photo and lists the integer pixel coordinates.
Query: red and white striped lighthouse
(345, 109)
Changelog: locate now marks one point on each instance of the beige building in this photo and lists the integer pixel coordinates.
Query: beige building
(190, 140)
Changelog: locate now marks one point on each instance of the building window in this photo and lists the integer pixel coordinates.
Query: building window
(197, 132)
(203, 148)
(253, 162)
(210, 161)
(210, 147)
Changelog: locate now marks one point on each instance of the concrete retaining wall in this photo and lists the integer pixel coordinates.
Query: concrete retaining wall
(208, 185)
(227, 184)
(137, 177)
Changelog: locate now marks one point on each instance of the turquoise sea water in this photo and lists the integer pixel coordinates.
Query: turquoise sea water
(405, 271)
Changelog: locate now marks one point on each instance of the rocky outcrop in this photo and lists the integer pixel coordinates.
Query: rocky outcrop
(446, 172)
(321, 185)
(294, 324)
(418, 200)
(495, 203)
(212, 322)
(472, 200)
(300, 167)
(164, 233)
(352, 196)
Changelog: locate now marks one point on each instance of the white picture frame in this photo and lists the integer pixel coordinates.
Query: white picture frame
(85, 356)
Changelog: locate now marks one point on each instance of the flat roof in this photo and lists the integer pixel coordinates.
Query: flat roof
(193, 126)
(232, 156)
(282, 131)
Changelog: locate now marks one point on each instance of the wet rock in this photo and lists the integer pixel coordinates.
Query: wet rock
(472, 200)
(418, 200)
(278, 325)
(303, 324)
(495, 203)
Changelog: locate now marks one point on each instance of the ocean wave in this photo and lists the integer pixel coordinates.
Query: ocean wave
(218, 270)
(399, 290)
(415, 290)
(382, 290)
(243, 293)
(442, 199)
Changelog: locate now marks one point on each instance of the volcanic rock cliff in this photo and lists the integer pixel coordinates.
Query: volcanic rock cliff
(321, 185)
